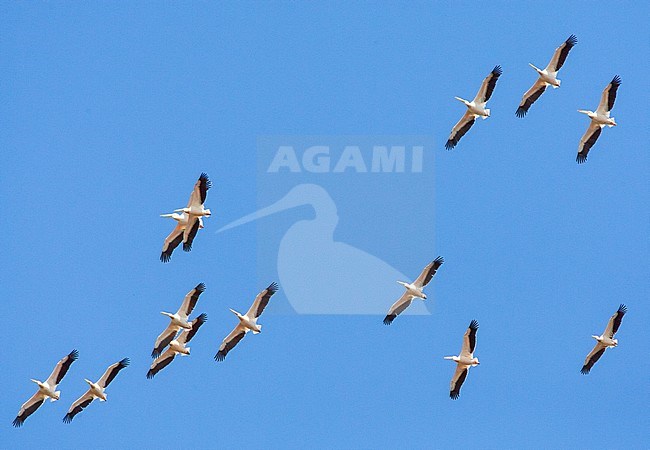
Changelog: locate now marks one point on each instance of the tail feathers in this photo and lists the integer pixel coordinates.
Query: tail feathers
(188, 352)
(52, 399)
(260, 329)
(487, 110)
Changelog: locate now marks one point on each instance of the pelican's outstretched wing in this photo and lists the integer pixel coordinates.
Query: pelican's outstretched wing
(112, 372)
(398, 307)
(457, 380)
(164, 339)
(531, 97)
(193, 225)
(230, 341)
(609, 96)
(61, 368)
(487, 87)
(187, 335)
(261, 301)
(588, 140)
(428, 272)
(189, 302)
(161, 362)
(557, 61)
(200, 191)
(615, 322)
(459, 130)
(592, 357)
(171, 242)
(78, 406)
(28, 408)
(469, 340)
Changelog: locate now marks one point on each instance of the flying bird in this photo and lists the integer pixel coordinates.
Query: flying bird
(177, 346)
(547, 77)
(464, 361)
(96, 390)
(46, 389)
(178, 320)
(247, 322)
(475, 108)
(413, 290)
(599, 119)
(605, 340)
(188, 219)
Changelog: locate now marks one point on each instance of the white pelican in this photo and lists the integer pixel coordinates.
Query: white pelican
(176, 236)
(247, 322)
(177, 346)
(464, 361)
(96, 390)
(599, 119)
(605, 340)
(413, 290)
(547, 77)
(475, 108)
(46, 389)
(189, 221)
(178, 320)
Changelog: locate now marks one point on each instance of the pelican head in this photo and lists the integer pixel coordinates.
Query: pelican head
(462, 100)
(452, 358)
(40, 385)
(584, 111)
(235, 313)
(598, 338)
(90, 383)
(537, 69)
(170, 315)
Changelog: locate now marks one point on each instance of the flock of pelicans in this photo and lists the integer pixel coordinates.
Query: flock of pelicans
(547, 77)
(180, 331)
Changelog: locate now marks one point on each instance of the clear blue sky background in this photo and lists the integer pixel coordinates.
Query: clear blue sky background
(108, 114)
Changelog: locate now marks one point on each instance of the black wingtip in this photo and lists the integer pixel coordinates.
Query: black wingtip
(219, 357)
(74, 354)
(187, 247)
(622, 309)
(204, 177)
(616, 81)
(67, 418)
(581, 159)
(18, 422)
(439, 260)
(125, 362)
(203, 317)
(273, 288)
(164, 257)
(150, 374)
(155, 353)
(473, 325)
(521, 112)
(572, 40)
(497, 71)
(450, 144)
(389, 319)
(584, 370)
(200, 288)
(454, 395)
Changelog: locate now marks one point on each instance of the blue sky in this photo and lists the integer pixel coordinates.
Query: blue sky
(109, 114)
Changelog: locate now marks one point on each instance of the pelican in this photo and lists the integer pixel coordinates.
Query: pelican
(413, 290)
(599, 119)
(96, 390)
(176, 236)
(475, 108)
(178, 320)
(547, 77)
(177, 347)
(464, 361)
(605, 340)
(247, 322)
(46, 389)
(188, 219)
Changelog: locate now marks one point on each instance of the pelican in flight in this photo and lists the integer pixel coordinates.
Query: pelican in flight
(464, 361)
(178, 320)
(605, 340)
(46, 389)
(475, 108)
(599, 119)
(247, 322)
(547, 77)
(96, 390)
(177, 347)
(413, 290)
(188, 219)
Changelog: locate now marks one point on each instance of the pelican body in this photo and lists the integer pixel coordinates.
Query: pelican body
(464, 361)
